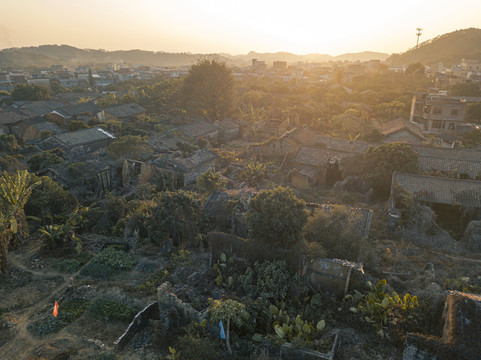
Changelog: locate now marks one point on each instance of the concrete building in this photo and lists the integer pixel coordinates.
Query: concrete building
(437, 113)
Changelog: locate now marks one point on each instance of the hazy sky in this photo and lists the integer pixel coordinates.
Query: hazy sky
(234, 27)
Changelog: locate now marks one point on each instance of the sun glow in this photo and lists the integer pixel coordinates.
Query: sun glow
(233, 26)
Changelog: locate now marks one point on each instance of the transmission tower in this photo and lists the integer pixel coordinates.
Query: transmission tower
(418, 34)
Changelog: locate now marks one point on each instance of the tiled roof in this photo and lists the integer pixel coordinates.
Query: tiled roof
(81, 137)
(315, 156)
(125, 110)
(302, 135)
(472, 168)
(446, 153)
(36, 108)
(338, 144)
(308, 170)
(399, 124)
(200, 157)
(87, 107)
(441, 190)
(198, 128)
(228, 124)
(11, 117)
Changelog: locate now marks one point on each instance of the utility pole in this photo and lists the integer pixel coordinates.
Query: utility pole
(418, 34)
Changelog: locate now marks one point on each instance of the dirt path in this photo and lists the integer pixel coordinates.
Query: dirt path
(455, 257)
(23, 343)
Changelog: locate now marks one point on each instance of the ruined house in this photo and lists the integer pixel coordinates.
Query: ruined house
(460, 333)
(88, 140)
(315, 166)
(287, 144)
(442, 194)
(34, 128)
(460, 163)
(200, 129)
(228, 129)
(81, 112)
(187, 169)
(124, 112)
(330, 275)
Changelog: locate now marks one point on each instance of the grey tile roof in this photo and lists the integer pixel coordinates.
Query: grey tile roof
(446, 153)
(228, 124)
(12, 116)
(36, 108)
(302, 135)
(353, 147)
(399, 124)
(315, 156)
(125, 110)
(81, 137)
(87, 107)
(308, 170)
(198, 128)
(472, 168)
(200, 157)
(441, 190)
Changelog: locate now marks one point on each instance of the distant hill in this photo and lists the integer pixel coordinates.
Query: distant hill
(293, 58)
(448, 49)
(46, 55)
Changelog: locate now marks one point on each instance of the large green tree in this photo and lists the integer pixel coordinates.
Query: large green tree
(29, 92)
(208, 89)
(379, 163)
(277, 217)
(175, 215)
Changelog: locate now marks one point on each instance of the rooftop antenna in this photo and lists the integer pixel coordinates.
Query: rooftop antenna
(418, 34)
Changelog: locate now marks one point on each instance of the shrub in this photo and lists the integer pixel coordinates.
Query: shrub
(108, 310)
(49, 201)
(334, 229)
(68, 312)
(45, 159)
(76, 125)
(68, 265)
(97, 270)
(196, 347)
(147, 266)
(117, 259)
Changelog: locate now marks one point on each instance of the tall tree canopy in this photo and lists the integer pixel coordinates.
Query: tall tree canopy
(208, 90)
(29, 92)
(380, 162)
(277, 217)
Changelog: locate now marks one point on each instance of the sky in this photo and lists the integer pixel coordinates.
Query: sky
(234, 27)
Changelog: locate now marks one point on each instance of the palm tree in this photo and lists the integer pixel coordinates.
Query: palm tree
(14, 193)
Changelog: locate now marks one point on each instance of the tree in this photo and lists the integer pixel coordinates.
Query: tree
(230, 311)
(473, 112)
(415, 70)
(76, 125)
(209, 181)
(208, 89)
(472, 139)
(276, 217)
(253, 172)
(336, 230)
(175, 215)
(467, 89)
(29, 92)
(379, 163)
(129, 147)
(14, 193)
